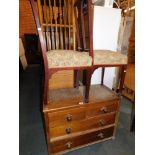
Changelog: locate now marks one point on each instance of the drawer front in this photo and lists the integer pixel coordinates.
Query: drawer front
(87, 124)
(66, 116)
(70, 143)
(101, 108)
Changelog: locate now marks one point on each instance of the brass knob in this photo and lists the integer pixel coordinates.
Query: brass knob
(69, 117)
(102, 122)
(104, 109)
(101, 135)
(69, 145)
(68, 130)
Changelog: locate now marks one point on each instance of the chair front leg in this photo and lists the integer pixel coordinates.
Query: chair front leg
(102, 76)
(87, 86)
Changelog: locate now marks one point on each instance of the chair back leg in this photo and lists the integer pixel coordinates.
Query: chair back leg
(89, 73)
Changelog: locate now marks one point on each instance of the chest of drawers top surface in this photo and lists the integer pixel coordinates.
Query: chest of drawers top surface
(73, 97)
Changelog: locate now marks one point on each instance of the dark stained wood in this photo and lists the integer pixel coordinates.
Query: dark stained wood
(76, 2)
(88, 83)
(76, 78)
(102, 76)
(90, 27)
(81, 140)
(81, 125)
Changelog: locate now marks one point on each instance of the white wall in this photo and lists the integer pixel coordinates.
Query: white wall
(105, 36)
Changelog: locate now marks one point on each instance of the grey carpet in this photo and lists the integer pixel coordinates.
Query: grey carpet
(32, 138)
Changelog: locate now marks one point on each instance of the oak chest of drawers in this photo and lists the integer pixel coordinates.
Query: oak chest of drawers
(71, 124)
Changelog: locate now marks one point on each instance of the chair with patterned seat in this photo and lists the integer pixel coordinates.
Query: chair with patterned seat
(57, 26)
(102, 57)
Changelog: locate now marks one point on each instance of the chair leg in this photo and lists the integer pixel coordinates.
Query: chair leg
(76, 79)
(102, 76)
(122, 78)
(87, 86)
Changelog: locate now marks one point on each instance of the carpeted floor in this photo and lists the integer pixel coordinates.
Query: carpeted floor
(32, 138)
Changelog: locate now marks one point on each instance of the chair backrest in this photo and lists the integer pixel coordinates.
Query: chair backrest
(58, 16)
(84, 28)
(57, 22)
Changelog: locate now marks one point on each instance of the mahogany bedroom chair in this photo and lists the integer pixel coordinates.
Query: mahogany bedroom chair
(102, 58)
(55, 23)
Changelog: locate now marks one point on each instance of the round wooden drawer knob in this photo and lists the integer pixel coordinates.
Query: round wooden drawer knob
(69, 117)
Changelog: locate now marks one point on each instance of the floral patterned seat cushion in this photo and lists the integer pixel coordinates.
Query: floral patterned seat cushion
(68, 58)
(103, 57)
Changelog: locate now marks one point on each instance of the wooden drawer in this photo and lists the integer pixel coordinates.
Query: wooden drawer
(66, 116)
(69, 143)
(101, 108)
(83, 125)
